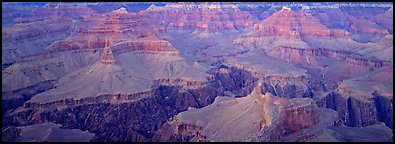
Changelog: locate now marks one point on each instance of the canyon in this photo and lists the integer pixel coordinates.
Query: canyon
(191, 71)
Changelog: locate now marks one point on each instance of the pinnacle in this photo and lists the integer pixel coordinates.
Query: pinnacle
(107, 57)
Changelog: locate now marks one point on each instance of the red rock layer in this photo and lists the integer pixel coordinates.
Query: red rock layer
(88, 100)
(293, 119)
(213, 21)
(143, 45)
(299, 56)
(293, 25)
(36, 30)
(107, 57)
(362, 23)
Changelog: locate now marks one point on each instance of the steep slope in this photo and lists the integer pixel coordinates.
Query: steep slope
(365, 100)
(245, 119)
(129, 74)
(103, 77)
(300, 29)
(204, 29)
(372, 26)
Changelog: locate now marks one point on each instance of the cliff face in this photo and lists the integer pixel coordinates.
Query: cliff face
(288, 87)
(277, 117)
(37, 36)
(358, 113)
(287, 22)
(194, 17)
(301, 56)
(384, 109)
(156, 74)
(235, 80)
(362, 29)
(144, 45)
(134, 121)
(17, 98)
(99, 115)
(174, 131)
(295, 119)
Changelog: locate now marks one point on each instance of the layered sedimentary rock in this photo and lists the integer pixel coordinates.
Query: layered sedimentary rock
(352, 111)
(361, 103)
(33, 38)
(302, 29)
(113, 79)
(304, 23)
(27, 72)
(17, 98)
(130, 75)
(107, 57)
(368, 28)
(205, 29)
(290, 83)
(148, 45)
(288, 28)
(172, 99)
(255, 116)
(131, 116)
(302, 56)
(211, 17)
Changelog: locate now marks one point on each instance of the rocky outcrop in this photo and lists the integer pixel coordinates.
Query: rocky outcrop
(50, 43)
(133, 120)
(89, 100)
(180, 82)
(15, 99)
(352, 111)
(290, 120)
(117, 48)
(288, 28)
(384, 109)
(112, 23)
(107, 57)
(362, 29)
(72, 45)
(33, 58)
(288, 87)
(298, 55)
(176, 132)
(277, 117)
(143, 45)
(235, 80)
(293, 25)
(38, 30)
(367, 62)
(95, 114)
(194, 17)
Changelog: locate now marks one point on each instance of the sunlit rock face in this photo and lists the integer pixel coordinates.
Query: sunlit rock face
(192, 71)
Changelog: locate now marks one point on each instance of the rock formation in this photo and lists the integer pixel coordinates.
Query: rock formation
(254, 116)
(169, 71)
